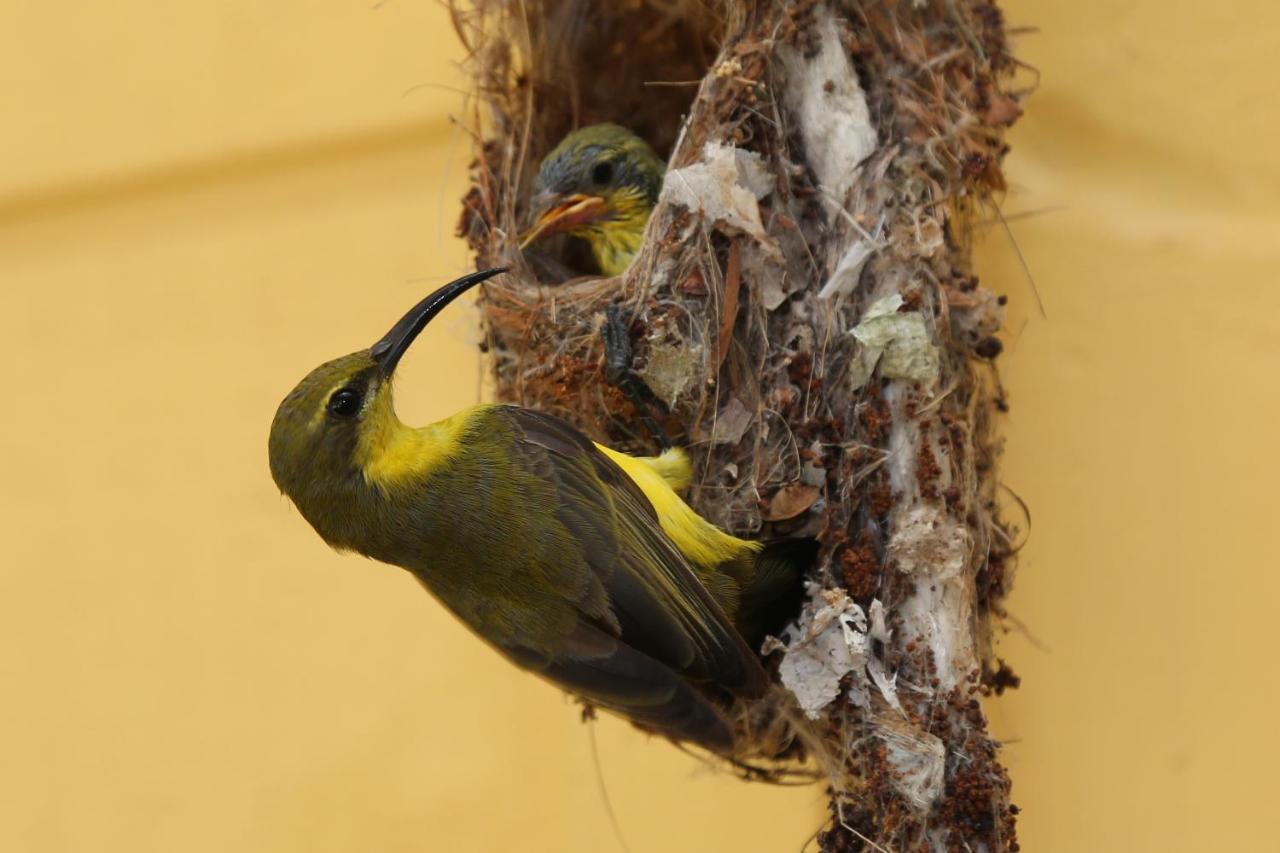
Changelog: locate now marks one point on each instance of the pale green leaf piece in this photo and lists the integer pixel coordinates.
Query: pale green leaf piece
(896, 343)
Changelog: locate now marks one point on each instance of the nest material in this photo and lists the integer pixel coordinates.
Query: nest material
(803, 304)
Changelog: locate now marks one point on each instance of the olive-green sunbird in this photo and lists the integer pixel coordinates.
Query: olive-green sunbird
(574, 561)
(600, 183)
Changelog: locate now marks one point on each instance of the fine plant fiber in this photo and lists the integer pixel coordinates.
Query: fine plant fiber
(804, 307)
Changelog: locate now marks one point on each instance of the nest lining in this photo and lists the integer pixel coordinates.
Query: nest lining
(822, 348)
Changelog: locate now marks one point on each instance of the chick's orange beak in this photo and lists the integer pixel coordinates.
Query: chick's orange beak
(560, 213)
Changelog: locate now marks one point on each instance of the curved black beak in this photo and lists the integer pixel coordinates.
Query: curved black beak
(387, 351)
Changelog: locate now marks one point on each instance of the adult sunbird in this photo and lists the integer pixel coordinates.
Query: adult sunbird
(600, 183)
(574, 561)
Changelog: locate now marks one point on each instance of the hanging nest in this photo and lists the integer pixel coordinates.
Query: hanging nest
(803, 307)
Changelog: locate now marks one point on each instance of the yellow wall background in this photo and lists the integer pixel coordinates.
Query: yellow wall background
(1143, 426)
(201, 201)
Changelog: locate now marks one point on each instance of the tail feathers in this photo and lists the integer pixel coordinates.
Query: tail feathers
(608, 672)
(777, 588)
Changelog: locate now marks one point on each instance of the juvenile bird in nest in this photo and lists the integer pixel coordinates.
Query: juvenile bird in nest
(573, 560)
(600, 183)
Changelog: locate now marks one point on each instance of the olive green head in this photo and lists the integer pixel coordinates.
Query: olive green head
(600, 183)
(340, 415)
(316, 431)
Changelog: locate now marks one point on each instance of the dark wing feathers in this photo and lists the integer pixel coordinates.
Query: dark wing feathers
(669, 628)
(613, 675)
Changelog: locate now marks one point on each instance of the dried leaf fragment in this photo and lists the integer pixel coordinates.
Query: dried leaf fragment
(827, 643)
(791, 500)
(848, 270)
(897, 343)
(725, 187)
(669, 370)
(729, 306)
(918, 759)
(730, 424)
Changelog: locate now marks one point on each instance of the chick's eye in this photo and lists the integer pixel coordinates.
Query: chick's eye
(345, 403)
(602, 173)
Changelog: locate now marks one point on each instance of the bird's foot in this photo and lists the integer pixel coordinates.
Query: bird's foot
(616, 335)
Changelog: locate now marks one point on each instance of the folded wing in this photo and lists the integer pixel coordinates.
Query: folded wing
(667, 633)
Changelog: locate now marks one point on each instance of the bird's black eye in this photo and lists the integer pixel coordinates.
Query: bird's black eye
(602, 173)
(345, 403)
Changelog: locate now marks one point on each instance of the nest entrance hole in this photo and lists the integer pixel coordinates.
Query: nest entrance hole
(637, 64)
(548, 67)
